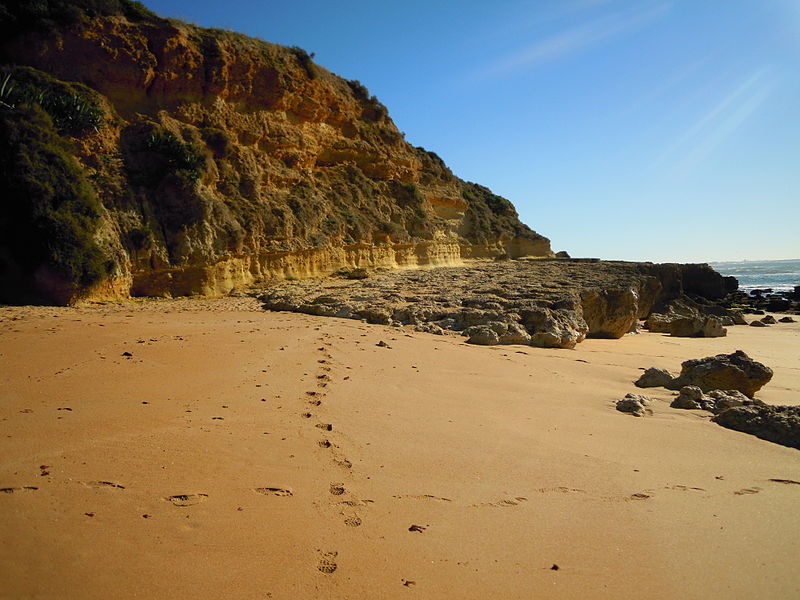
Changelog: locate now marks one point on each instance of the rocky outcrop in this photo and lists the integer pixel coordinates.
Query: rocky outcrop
(778, 424)
(206, 160)
(684, 317)
(552, 303)
(735, 371)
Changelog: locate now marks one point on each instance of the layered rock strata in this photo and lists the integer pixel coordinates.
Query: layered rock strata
(208, 160)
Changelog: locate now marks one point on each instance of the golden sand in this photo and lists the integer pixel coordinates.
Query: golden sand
(238, 453)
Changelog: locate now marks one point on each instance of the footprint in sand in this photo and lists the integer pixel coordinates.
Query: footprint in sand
(745, 491)
(684, 488)
(327, 562)
(186, 499)
(325, 426)
(102, 484)
(424, 497)
(353, 521)
(785, 481)
(337, 489)
(343, 463)
(14, 490)
(274, 491)
(504, 503)
(561, 490)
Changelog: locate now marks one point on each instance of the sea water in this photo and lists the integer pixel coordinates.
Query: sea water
(780, 275)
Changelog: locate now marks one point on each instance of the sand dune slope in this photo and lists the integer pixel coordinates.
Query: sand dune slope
(236, 453)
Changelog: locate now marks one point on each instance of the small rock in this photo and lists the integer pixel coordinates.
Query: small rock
(757, 324)
(786, 320)
(769, 320)
(634, 404)
(654, 377)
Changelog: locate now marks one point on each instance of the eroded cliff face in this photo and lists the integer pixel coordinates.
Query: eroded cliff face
(221, 160)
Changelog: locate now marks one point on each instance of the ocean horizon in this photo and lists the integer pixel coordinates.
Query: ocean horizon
(779, 275)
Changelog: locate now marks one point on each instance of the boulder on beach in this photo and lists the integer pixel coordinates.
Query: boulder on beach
(735, 371)
(769, 320)
(778, 424)
(635, 404)
(654, 377)
(786, 320)
(692, 397)
(757, 324)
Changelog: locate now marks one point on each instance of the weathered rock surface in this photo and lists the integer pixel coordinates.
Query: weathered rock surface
(219, 161)
(654, 377)
(692, 397)
(684, 317)
(635, 404)
(552, 303)
(735, 371)
(778, 424)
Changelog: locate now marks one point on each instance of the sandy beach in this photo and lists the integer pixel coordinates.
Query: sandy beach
(209, 449)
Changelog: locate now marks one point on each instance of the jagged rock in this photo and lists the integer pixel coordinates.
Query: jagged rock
(725, 399)
(483, 335)
(779, 424)
(635, 404)
(359, 273)
(786, 320)
(757, 324)
(610, 313)
(562, 254)
(556, 303)
(713, 328)
(654, 377)
(692, 397)
(769, 320)
(735, 371)
(429, 328)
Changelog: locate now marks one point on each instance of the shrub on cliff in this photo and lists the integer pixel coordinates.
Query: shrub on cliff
(72, 106)
(50, 211)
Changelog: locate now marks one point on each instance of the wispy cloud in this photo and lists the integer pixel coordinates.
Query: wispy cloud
(575, 39)
(720, 122)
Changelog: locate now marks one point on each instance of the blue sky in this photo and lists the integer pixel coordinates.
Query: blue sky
(664, 130)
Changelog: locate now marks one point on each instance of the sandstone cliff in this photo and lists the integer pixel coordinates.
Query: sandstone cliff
(152, 157)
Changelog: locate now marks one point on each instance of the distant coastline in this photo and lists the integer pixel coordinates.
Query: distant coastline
(779, 275)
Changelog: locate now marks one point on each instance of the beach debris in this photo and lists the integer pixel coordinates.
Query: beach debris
(555, 567)
(654, 377)
(778, 424)
(635, 405)
(735, 371)
(408, 582)
(417, 528)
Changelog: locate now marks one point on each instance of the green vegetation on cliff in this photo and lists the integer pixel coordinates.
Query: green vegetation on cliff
(188, 160)
(50, 211)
